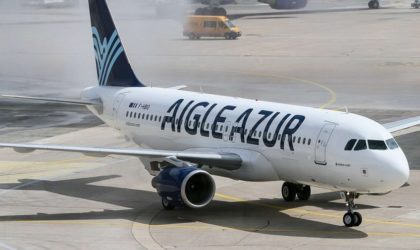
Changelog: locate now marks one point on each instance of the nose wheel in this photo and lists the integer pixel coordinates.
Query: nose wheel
(351, 218)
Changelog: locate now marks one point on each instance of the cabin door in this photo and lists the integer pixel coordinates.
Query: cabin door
(115, 109)
(322, 142)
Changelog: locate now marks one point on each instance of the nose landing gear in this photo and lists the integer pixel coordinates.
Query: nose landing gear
(351, 218)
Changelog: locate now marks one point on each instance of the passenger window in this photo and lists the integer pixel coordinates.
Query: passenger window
(269, 135)
(299, 140)
(304, 140)
(377, 145)
(208, 124)
(279, 137)
(350, 144)
(142, 117)
(131, 114)
(309, 141)
(259, 134)
(294, 139)
(189, 124)
(138, 117)
(126, 114)
(160, 118)
(361, 145)
(147, 117)
(392, 144)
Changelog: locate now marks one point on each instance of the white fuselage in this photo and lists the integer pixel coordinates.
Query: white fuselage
(276, 141)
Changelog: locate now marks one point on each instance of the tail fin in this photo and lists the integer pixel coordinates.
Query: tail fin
(112, 64)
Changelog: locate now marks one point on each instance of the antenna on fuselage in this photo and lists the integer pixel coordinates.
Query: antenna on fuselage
(347, 110)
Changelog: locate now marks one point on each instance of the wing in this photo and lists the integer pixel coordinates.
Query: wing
(228, 161)
(402, 124)
(56, 100)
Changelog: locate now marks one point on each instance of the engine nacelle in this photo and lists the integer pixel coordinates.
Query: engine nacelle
(188, 186)
(285, 4)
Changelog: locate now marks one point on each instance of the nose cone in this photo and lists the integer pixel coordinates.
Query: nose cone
(399, 170)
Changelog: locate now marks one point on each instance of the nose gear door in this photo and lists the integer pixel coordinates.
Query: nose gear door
(322, 142)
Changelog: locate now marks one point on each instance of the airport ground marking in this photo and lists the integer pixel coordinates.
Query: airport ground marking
(211, 227)
(304, 211)
(333, 95)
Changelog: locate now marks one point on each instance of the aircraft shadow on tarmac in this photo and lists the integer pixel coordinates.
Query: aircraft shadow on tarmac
(249, 216)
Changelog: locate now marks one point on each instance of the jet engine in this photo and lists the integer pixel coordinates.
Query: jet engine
(285, 4)
(189, 186)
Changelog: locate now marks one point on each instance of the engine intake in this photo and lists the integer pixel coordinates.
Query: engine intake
(187, 186)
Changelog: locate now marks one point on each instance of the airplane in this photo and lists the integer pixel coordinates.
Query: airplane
(215, 9)
(49, 3)
(185, 137)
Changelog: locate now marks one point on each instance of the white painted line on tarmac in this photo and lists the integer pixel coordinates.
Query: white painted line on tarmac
(5, 246)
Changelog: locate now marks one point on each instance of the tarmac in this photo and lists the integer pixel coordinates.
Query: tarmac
(333, 55)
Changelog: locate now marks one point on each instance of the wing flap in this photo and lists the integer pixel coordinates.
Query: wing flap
(227, 161)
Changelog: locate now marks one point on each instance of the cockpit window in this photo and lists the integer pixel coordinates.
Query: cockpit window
(392, 144)
(361, 145)
(350, 145)
(377, 145)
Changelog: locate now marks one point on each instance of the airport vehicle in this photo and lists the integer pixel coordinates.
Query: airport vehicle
(210, 26)
(185, 137)
(213, 6)
(415, 4)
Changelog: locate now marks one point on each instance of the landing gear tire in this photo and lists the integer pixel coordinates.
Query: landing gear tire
(348, 219)
(288, 191)
(304, 193)
(358, 219)
(167, 205)
(373, 4)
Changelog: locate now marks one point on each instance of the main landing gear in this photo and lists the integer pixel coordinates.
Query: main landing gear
(167, 204)
(373, 4)
(351, 218)
(289, 191)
